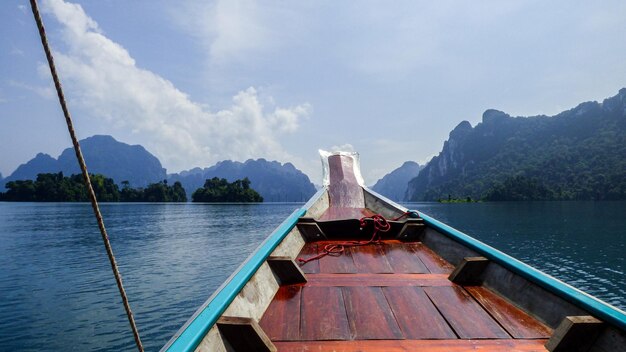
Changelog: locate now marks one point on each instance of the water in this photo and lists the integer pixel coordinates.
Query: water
(581, 243)
(57, 291)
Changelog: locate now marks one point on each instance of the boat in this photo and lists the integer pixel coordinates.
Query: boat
(353, 271)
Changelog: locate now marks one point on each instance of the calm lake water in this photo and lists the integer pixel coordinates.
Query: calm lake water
(57, 291)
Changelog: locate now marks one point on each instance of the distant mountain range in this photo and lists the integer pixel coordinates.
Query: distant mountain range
(275, 182)
(104, 155)
(394, 184)
(577, 154)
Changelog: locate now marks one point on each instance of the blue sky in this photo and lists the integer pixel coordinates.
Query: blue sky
(196, 82)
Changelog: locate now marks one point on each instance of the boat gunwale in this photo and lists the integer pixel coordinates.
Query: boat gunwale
(189, 336)
(607, 312)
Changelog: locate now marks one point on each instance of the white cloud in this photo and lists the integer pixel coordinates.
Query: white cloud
(230, 29)
(105, 80)
(44, 92)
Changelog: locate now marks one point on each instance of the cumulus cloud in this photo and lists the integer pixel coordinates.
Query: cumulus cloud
(230, 29)
(104, 79)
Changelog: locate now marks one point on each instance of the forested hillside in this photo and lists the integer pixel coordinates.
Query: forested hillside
(577, 154)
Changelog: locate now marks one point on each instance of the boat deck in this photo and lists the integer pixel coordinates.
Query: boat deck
(393, 296)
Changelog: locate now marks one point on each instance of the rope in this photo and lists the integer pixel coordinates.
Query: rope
(336, 249)
(83, 167)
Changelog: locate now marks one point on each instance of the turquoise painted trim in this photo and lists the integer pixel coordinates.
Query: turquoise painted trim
(593, 305)
(194, 332)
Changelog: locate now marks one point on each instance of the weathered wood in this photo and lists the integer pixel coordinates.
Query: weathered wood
(403, 259)
(507, 345)
(244, 334)
(308, 251)
(342, 213)
(469, 271)
(371, 259)
(575, 334)
(286, 270)
(281, 321)
(344, 189)
(532, 298)
(431, 260)
(378, 280)
(466, 317)
(411, 231)
(416, 315)
(310, 230)
(255, 296)
(369, 314)
(323, 314)
(448, 249)
(342, 263)
(291, 245)
(517, 322)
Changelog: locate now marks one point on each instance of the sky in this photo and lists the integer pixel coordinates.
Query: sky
(196, 82)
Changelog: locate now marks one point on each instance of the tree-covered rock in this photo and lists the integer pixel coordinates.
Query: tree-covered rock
(274, 181)
(54, 187)
(220, 190)
(577, 154)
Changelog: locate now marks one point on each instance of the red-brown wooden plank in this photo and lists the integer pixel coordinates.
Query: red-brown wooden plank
(433, 262)
(309, 251)
(468, 319)
(340, 263)
(369, 314)
(517, 322)
(415, 345)
(416, 315)
(281, 320)
(403, 259)
(371, 258)
(323, 314)
(378, 280)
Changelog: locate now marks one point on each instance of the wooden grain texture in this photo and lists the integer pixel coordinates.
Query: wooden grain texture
(415, 345)
(378, 280)
(403, 259)
(244, 334)
(281, 321)
(431, 260)
(371, 258)
(469, 271)
(344, 189)
(369, 314)
(575, 334)
(416, 315)
(286, 270)
(468, 319)
(517, 322)
(323, 315)
(340, 263)
(342, 213)
(308, 251)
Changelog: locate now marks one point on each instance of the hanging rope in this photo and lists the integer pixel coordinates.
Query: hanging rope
(83, 167)
(336, 249)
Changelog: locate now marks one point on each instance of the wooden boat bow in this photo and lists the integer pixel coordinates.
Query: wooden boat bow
(421, 285)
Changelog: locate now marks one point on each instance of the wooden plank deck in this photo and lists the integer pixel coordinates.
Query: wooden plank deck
(393, 296)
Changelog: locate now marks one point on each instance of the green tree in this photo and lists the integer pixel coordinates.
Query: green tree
(219, 190)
